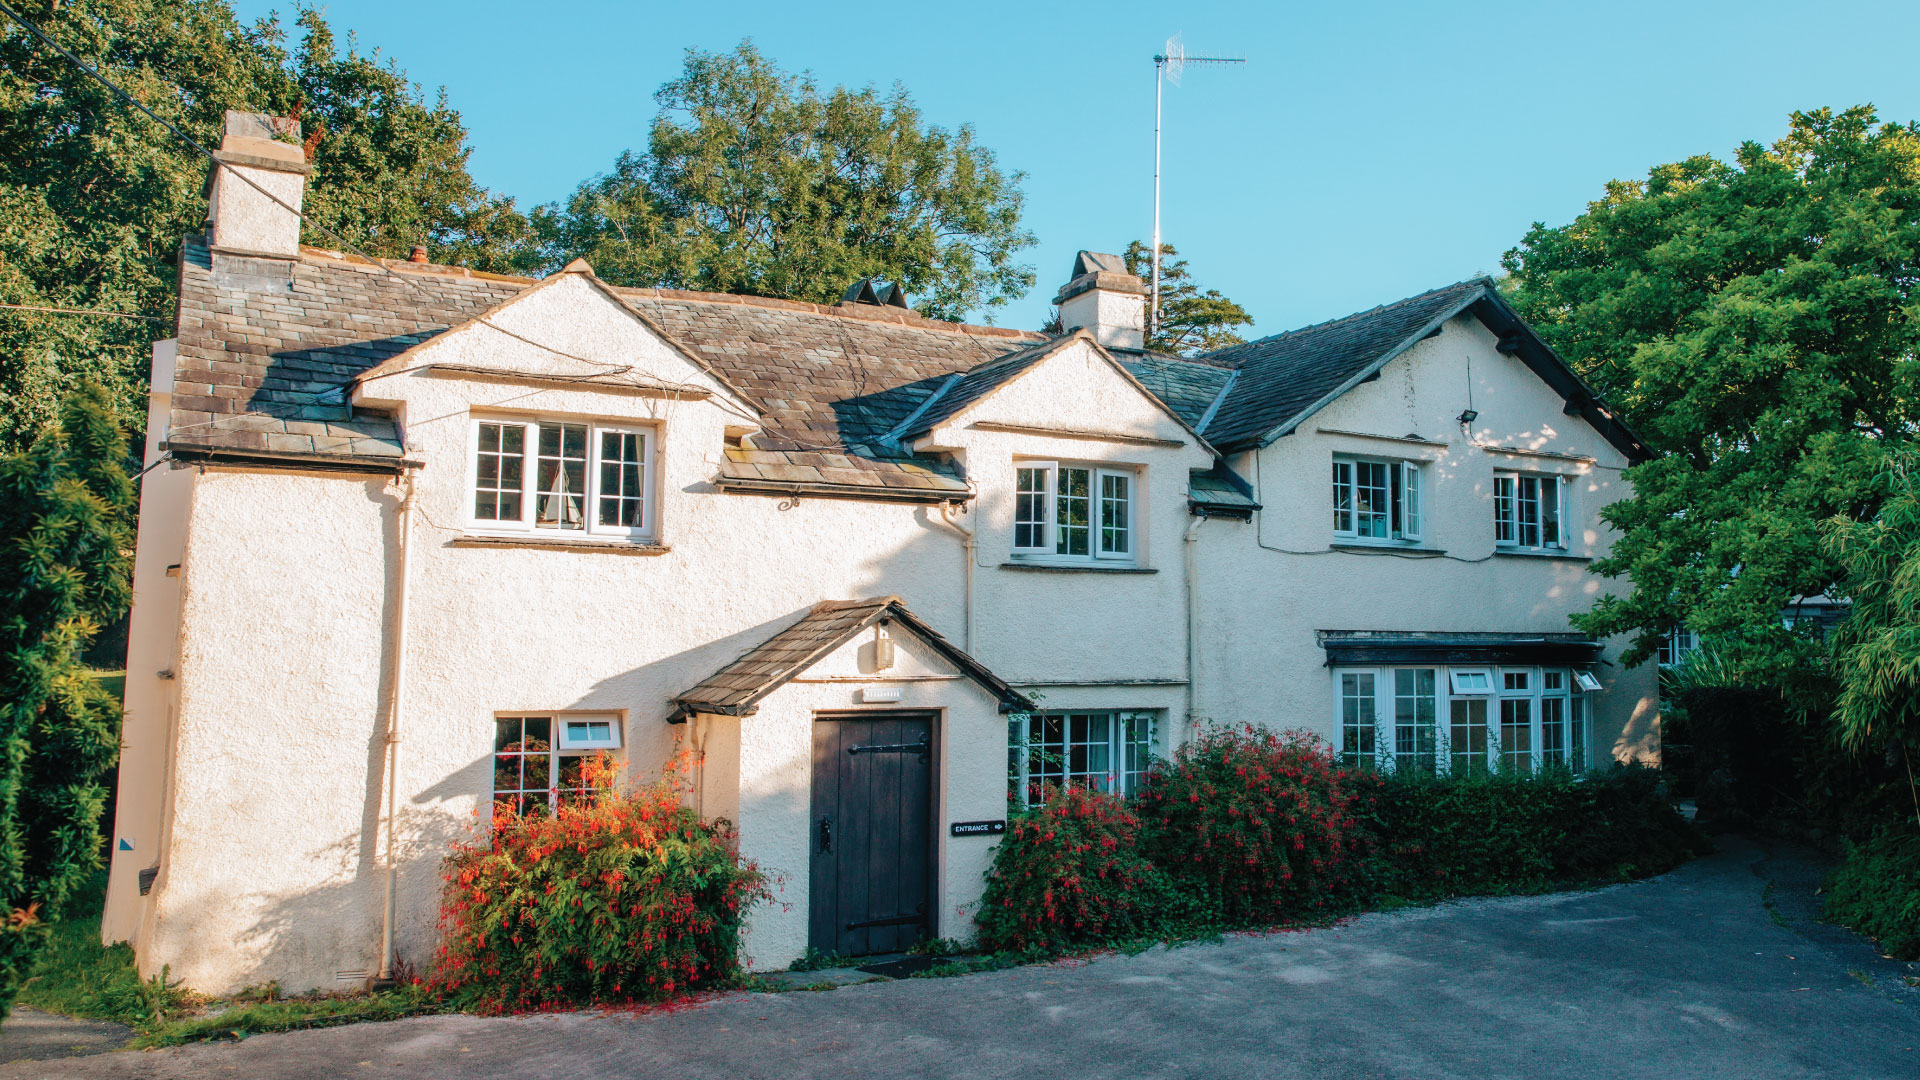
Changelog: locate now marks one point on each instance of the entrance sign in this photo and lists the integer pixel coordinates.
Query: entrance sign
(978, 828)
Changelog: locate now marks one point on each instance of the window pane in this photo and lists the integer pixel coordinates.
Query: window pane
(1342, 497)
(1116, 497)
(1516, 734)
(1553, 730)
(1468, 737)
(1072, 530)
(1578, 734)
(1503, 511)
(1030, 508)
(1357, 718)
(1529, 515)
(1415, 707)
(498, 471)
(1370, 496)
(1515, 680)
(622, 498)
(1410, 503)
(561, 474)
(1101, 750)
(1550, 512)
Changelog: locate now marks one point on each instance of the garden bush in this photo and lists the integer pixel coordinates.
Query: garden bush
(1499, 833)
(1876, 891)
(625, 896)
(1260, 824)
(1070, 873)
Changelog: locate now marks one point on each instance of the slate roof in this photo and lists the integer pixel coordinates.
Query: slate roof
(959, 391)
(1218, 492)
(1284, 376)
(1189, 387)
(738, 688)
(264, 361)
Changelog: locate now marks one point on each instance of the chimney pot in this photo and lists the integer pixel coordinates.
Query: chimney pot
(418, 254)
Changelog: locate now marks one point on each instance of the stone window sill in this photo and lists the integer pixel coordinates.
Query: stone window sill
(560, 543)
(1076, 568)
(1557, 556)
(1385, 549)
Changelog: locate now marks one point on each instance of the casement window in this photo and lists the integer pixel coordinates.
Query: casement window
(1066, 512)
(1529, 511)
(1106, 751)
(1515, 719)
(1358, 717)
(1676, 645)
(1376, 499)
(537, 760)
(578, 477)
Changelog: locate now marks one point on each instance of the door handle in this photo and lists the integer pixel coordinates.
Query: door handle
(826, 835)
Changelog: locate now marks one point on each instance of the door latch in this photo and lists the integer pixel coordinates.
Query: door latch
(826, 835)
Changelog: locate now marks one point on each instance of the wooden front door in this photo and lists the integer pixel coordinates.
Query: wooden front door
(872, 833)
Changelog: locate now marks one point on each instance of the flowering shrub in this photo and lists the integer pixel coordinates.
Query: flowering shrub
(1069, 873)
(620, 897)
(1260, 823)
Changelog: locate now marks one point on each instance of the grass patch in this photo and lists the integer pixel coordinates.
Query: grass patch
(79, 977)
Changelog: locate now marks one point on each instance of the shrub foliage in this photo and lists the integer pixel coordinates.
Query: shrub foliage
(1876, 891)
(624, 897)
(1070, 873)
(1260, 824)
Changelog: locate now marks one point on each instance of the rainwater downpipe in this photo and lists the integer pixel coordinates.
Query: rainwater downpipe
(396, 699)
(1193, 603)
(967, 544)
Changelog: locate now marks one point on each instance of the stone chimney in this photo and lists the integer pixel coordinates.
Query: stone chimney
(1106, 300)
(244, 221)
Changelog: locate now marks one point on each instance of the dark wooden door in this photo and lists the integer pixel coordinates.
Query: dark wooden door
(872, 833)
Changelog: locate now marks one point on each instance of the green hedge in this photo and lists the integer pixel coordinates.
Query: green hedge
(1876, 891)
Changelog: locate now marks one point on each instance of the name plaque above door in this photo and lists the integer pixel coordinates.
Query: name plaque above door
(978, 828)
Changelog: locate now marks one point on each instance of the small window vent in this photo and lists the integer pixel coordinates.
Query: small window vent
(358, 975)
(146, 879)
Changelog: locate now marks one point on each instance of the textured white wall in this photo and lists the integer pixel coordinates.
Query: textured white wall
(246, 220)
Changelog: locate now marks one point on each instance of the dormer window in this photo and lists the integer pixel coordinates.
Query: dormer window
(1068, 512)
(1376, 500)
(561, 477)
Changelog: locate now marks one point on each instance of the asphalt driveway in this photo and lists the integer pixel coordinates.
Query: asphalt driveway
(1716, 970)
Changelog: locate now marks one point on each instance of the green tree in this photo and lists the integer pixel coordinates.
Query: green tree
(1877, 649)
(95, 197)
(65, 505)
(1756, 320)
(1191, 321)
(755, 181)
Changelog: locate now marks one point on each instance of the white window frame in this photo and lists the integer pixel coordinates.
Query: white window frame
(556, 754)
(1484, 684)
(1127, 758)
(1510, 525)
(1403, 518)
(1047, 551)
(566, 741)
(529, 478)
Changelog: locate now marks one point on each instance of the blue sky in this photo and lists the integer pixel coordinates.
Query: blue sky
(1365, 152)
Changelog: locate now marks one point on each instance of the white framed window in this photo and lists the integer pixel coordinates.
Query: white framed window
(1070, 512)
(1376, 499)
(561, 476)
(536, 767)
(1513, 718)
(1677, 644)
(1530, 511)
(1103, 750)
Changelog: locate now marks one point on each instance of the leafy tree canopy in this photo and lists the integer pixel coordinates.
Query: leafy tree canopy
(94, 197)
(1877, 649)
(1756, 321)
(755, 181)
(1191, 321)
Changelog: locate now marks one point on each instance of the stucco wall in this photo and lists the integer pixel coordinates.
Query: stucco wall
(1261, 660)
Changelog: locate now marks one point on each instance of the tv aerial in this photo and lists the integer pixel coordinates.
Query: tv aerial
(1168, 64)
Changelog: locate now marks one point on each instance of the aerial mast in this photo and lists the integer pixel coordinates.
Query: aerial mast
(1168, 65)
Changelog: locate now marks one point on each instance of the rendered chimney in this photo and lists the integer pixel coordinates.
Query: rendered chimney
(246, 222)
(1106, 300)
(418, 254)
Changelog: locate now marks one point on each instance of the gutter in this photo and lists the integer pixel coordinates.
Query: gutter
(967, 543)
(396, 700)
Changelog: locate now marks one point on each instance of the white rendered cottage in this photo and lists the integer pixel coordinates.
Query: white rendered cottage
(426, 536)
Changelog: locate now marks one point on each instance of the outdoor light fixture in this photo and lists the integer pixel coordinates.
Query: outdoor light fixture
(882, 649)
(1468, 416)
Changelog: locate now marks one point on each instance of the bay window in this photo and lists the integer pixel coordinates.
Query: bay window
(1105, 751)
(1529, 511)
(578, 477)
(1065, 512)
(1376, 499)
(1513, 718)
